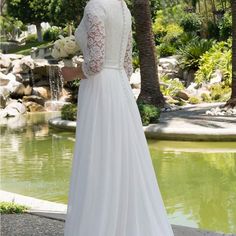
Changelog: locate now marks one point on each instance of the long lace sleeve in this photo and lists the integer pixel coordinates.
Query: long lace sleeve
(128, 57)
(95, 28)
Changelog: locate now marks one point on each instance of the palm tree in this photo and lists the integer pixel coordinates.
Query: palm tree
(232, 101)
(150, 88)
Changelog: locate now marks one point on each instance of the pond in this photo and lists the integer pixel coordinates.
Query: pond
(197, 180)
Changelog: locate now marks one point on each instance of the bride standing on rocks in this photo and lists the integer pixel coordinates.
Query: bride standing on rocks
(113, 187)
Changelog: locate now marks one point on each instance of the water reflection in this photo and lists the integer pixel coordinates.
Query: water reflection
(200, 186)
(197, 180)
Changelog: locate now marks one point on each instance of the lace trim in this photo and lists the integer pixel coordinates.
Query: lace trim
(128, 57)
(95, 51)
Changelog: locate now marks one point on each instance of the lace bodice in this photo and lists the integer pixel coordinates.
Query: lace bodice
(105, 36)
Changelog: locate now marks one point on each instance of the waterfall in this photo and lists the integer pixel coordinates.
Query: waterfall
(56, 86)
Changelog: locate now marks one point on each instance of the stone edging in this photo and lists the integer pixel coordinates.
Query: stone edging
(158, 131)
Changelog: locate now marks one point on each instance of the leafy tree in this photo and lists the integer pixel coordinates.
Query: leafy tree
(150, 87)
(30, 12)
(67, 12)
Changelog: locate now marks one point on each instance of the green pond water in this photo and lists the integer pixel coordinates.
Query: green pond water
(197, 180)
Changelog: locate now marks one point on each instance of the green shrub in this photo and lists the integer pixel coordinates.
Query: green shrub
(31, 38)
(165, 50)
(194, 100)
(11, 207)
(219, 57)
(206, 97)
(225, 26)
(173, 32)
(170, 87)
(69, 112)
(191, 22)
(52, 33)
(192, 52)
(220, 92)
(149, 113)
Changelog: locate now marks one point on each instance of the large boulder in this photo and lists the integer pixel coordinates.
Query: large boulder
(170, 66)
(183, 95)
(14, 108)
(5, 62)
(34, 107)
(43, 92)
(34, 98)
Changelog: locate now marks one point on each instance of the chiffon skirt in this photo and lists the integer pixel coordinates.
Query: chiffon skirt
(113, 187)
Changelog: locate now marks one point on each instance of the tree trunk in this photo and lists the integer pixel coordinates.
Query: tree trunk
(150, 87)
(232, 100)
(39, 32)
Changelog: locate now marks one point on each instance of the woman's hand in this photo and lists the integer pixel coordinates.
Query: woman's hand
(72, 73)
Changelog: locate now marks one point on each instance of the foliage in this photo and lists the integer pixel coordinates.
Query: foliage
(220, 92)
(69, 112)
(9, 27)
(166, 27)
(206, 97)
(218, 57)
(11, 207)
(31, 38)
(31, 11)
(225, 26)
(191, 22)
(66, 11)
(149, 113)
(194, 100)
(165, 49)
(52, 33)
(26, 49)
(169, 87)
(192, 52)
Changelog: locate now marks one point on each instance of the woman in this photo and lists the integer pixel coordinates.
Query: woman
(113, 187)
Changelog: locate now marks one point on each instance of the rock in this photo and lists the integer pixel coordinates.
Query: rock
(216, 77)
(35, 99)
(17, 105)
(14, 108)
(135, 80)
(11, 77)
(191, 89)
(170, 63)
(5, 91)
(17, 67)
(23, 66)
(11, 56)
(34, 107)
(2, 101)
(3, 79)
(18, 90)
(183, 95)
(66, 95)
(9, 112)
(5, 62)
(43, 92)
(170, 66)
(188, 77)
(28, 90)
(27, 63)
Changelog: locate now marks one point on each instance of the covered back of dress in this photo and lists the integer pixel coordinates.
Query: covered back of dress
(117, 29)
(104, 35)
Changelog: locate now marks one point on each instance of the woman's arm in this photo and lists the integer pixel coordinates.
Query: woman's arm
(72, 73)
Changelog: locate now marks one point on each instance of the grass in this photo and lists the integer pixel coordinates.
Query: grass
(11, 207)
(25, 49)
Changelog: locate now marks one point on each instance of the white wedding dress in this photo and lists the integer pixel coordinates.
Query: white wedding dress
(113, 187)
